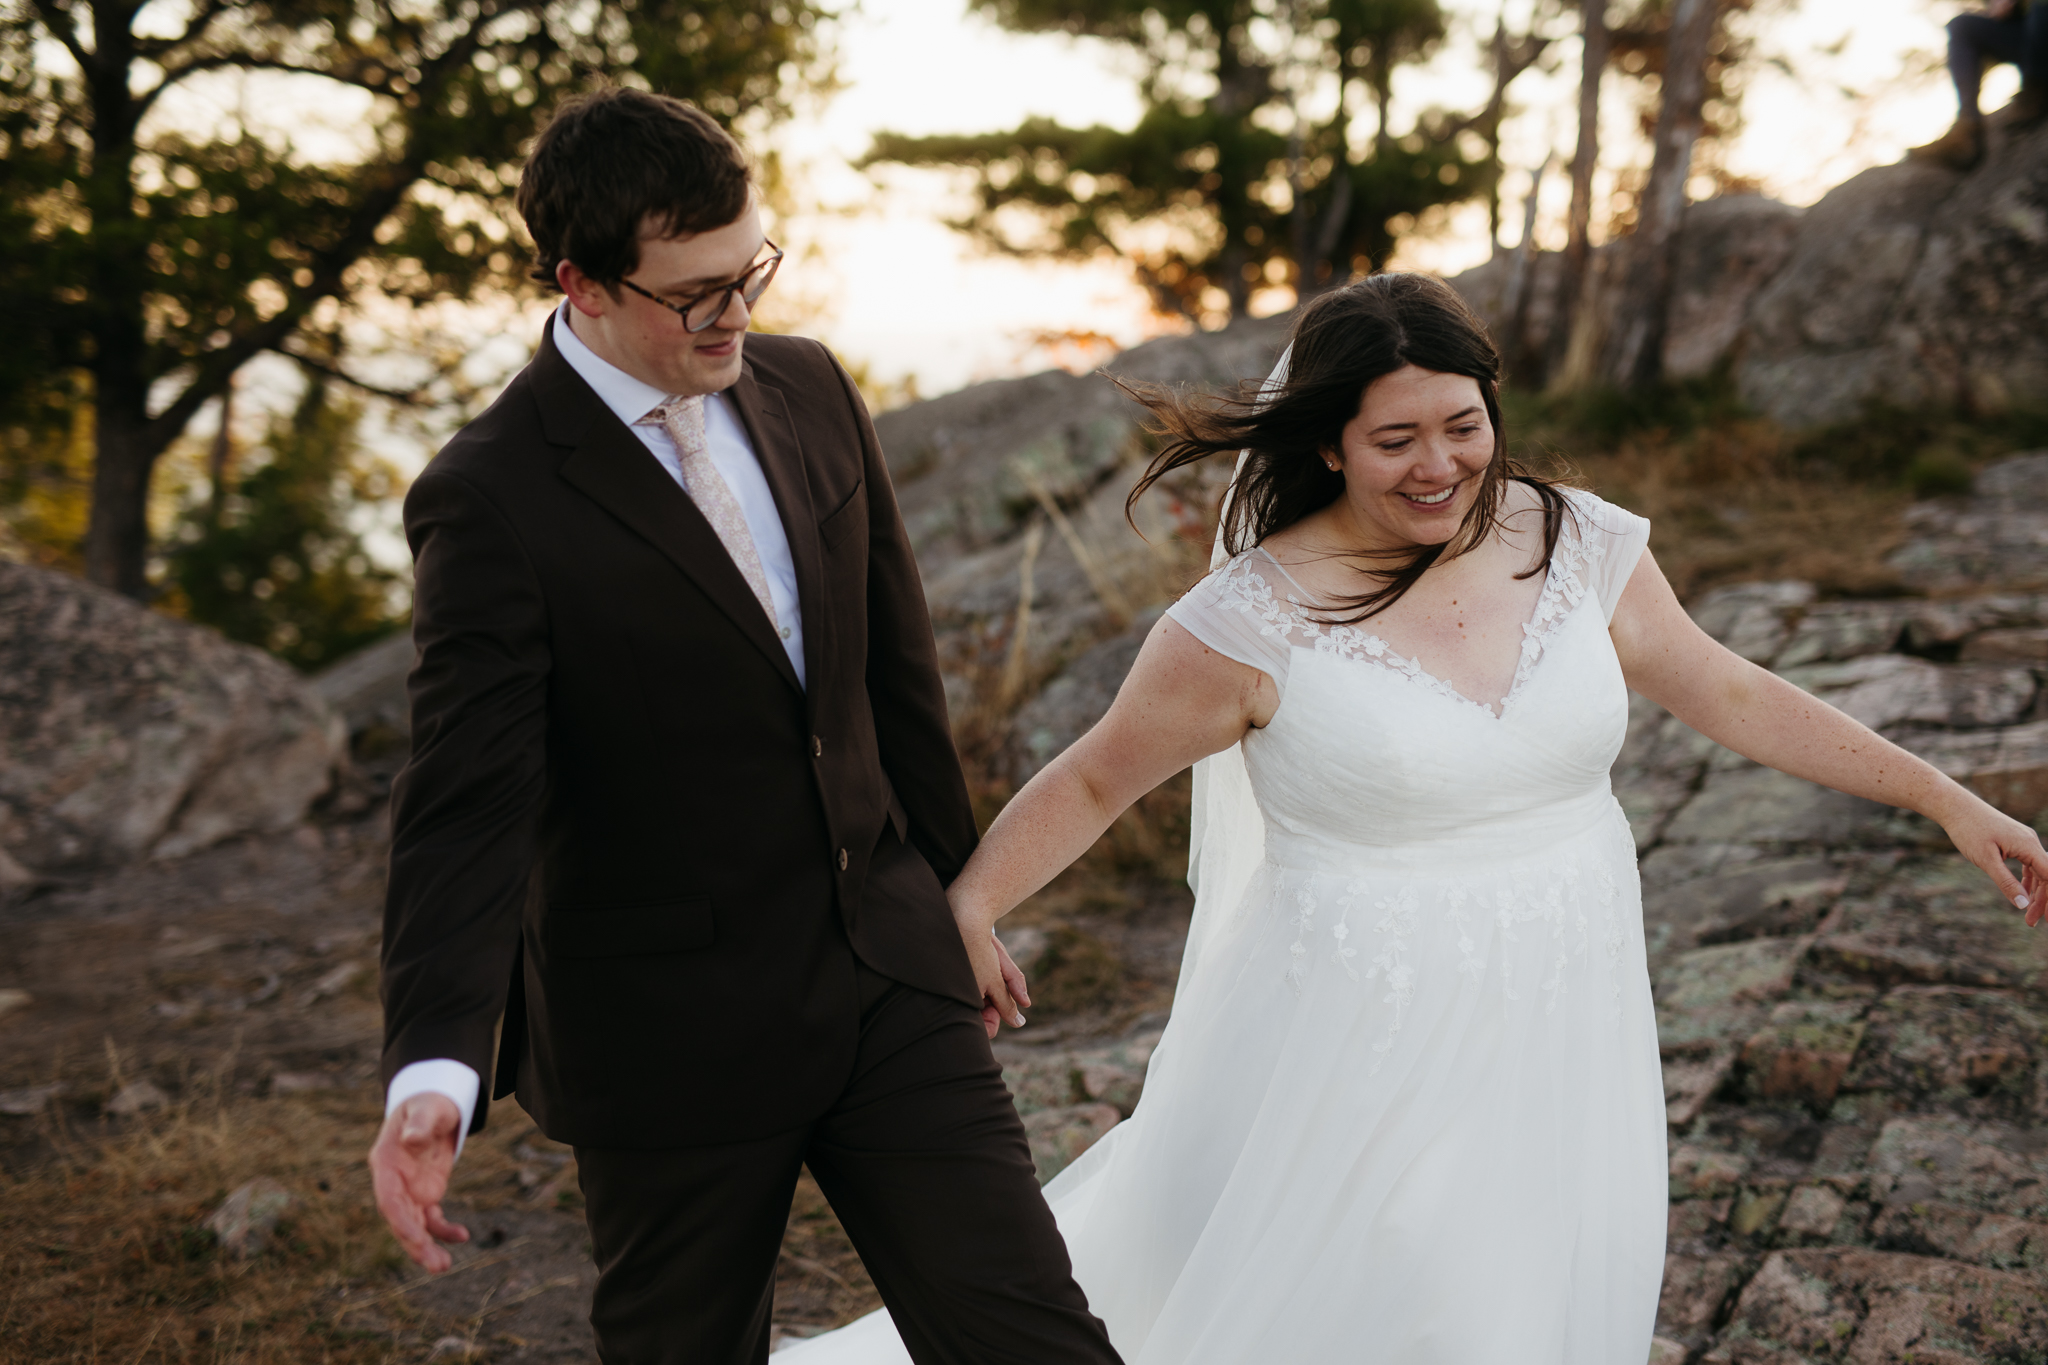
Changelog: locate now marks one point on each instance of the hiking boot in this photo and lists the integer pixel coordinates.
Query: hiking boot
(1959, 149)
(2026, 110)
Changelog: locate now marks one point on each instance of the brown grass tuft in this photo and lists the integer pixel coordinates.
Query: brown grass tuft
(105, 1257)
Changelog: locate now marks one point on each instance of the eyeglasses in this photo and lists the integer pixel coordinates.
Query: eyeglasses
(701, 311)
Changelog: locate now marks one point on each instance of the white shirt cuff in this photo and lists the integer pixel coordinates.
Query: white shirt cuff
(441, 1076)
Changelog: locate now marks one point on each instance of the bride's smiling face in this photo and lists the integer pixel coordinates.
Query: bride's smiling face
(1412, 457)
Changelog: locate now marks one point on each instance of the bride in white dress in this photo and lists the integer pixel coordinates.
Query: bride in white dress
(1408, 1108)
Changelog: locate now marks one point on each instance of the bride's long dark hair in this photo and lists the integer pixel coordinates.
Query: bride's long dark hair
(1343, 341)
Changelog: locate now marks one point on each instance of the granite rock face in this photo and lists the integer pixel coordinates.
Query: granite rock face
(1013, 494)
(1999, 533)
(1729, 249)
(964, 463)
(1906, 285)
(1071, 703)
(367, 689)
(1854, 1024)
(125, 734)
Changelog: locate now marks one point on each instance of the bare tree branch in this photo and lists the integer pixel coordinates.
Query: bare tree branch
(408, 397)
(174, 74)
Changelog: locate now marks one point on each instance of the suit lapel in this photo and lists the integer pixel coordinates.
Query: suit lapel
(765, 415)
(610, 466)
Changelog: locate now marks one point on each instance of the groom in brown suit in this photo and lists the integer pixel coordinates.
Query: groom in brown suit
(683, 803)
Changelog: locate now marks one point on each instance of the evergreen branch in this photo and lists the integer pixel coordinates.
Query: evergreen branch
(57, 20)
(153, 49)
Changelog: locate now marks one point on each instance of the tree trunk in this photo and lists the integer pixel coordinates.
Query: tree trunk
(1514, 344)
(218, 459)
(117, 532)
(1335, 215)
(1634, 351)
(1571, 279)
(1489, 128)
(1233, 261)
(1320, 271)
(117, 535)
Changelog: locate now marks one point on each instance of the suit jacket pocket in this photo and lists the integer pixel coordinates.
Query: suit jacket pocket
(849, 516)
(678, 926)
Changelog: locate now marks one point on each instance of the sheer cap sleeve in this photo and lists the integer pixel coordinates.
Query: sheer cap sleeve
(1615, 538)
(1234, 611)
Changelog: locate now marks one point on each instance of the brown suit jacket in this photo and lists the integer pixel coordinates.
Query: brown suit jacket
(625, 828)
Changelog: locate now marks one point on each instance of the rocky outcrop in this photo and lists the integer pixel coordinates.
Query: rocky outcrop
(1998, 534)
(126, 734)
(1069, 1099)
(1854, 1024)
(1912, 285)
(1907, 285)
(1071, 703)
(1729, 249)
(1013, 492)
(965, 464)
(367, 689)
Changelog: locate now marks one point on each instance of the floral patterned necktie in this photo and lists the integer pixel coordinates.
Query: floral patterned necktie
(683, 418)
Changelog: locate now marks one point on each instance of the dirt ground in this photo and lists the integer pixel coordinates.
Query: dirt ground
(230, 997)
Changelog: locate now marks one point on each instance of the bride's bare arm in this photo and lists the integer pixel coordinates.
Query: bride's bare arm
(1761, 716)
(1181, 702)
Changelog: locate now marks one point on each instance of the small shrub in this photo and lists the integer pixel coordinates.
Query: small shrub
(1938, 473)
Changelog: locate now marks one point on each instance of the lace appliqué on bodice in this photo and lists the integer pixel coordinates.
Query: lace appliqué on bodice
(1565, 585)
(1243, 586)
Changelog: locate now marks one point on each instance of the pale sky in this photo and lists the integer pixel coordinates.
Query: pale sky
(1842, 85)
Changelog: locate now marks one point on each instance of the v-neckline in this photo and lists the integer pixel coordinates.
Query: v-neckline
(1411, 665)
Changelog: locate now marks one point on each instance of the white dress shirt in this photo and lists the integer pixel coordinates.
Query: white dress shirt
(733, 454)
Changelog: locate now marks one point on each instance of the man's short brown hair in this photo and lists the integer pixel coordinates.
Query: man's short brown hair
(614, 164)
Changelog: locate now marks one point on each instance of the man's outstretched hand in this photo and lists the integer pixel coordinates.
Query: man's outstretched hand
(409, 1166)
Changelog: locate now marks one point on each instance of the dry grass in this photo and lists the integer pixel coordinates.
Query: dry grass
(1735, 498)
(1729, 505)
(104, 1258)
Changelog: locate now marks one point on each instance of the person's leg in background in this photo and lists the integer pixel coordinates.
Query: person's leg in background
(2030, 106)
(1974, 41)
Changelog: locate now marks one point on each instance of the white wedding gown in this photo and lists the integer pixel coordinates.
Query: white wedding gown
(1408, 1108)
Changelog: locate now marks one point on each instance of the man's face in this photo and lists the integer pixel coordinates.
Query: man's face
(649, 341)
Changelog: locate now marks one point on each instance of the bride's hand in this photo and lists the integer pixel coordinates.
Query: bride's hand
(1000, 980)
(1988, 838)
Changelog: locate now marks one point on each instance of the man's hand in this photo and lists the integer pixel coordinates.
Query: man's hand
(1001, 983)
(409, 1168)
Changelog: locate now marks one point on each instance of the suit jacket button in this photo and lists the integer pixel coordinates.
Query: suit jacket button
(817, 747)
(842, 860)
